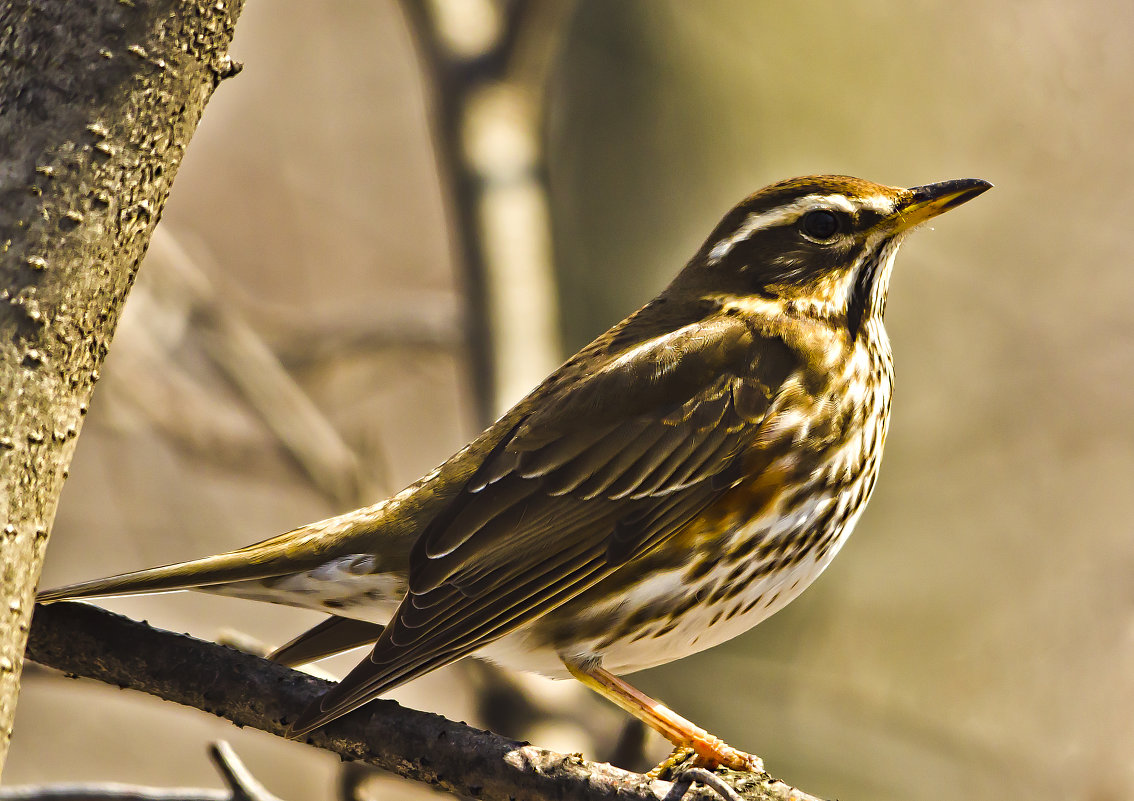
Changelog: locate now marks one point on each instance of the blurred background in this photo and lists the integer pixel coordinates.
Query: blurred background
(977, 630)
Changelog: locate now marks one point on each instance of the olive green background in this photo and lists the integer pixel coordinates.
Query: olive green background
(974, 639)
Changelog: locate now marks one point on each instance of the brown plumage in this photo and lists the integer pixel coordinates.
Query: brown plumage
(671, 485)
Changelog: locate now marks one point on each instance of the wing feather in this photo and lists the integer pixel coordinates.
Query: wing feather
(334, 635)
(587, 479)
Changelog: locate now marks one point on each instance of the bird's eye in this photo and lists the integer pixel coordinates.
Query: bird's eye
(820, 225)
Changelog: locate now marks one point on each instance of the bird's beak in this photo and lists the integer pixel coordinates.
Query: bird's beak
(922, 203)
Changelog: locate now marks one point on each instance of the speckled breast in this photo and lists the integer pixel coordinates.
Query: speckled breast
(746, 556)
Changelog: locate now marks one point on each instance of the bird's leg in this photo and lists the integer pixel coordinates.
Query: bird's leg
(711, 751)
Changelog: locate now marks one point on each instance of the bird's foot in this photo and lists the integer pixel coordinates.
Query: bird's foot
(712, 752)
(664, 768)
(708, 752)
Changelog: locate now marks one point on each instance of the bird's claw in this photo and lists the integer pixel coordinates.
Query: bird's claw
(663, 769)
(709, 754)
(712, 752)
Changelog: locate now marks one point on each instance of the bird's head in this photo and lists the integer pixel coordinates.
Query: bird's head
(821, 245)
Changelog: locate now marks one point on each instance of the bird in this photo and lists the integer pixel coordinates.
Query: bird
(674, 483)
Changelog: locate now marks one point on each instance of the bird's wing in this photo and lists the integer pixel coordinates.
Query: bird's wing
(603, 468)
(333, 636)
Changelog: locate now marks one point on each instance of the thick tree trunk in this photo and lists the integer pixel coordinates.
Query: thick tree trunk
(98, 100)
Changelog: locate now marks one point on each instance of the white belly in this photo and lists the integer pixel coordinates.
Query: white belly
(342, 586)
(703, 626)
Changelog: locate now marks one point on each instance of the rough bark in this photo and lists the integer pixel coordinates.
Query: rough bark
(83, 640)
(98, 100)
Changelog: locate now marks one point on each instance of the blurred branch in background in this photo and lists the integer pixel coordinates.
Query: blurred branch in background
(177, 303)
(242, 786)
(424, 322)
(487, 63)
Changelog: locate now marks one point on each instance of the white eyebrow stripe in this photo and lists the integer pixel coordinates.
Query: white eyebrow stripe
(789, 213)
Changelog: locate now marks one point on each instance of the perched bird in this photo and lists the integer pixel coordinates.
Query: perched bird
(674, 483)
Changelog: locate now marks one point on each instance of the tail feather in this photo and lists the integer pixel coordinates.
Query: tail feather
(169, 578)
(302, 549)
(385, 530)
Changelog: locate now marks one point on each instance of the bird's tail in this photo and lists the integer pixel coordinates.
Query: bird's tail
(219, 569)
(385, 531)
(301, 549)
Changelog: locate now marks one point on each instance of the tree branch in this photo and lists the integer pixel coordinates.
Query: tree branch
(87, 641)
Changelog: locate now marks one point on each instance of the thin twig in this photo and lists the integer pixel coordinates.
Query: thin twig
(241, 783)
(414, 322)
(710, 780)
(249, 365)
(242, 786)
(109, 791)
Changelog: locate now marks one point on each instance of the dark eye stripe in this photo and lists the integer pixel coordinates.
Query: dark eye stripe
(759, 214)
